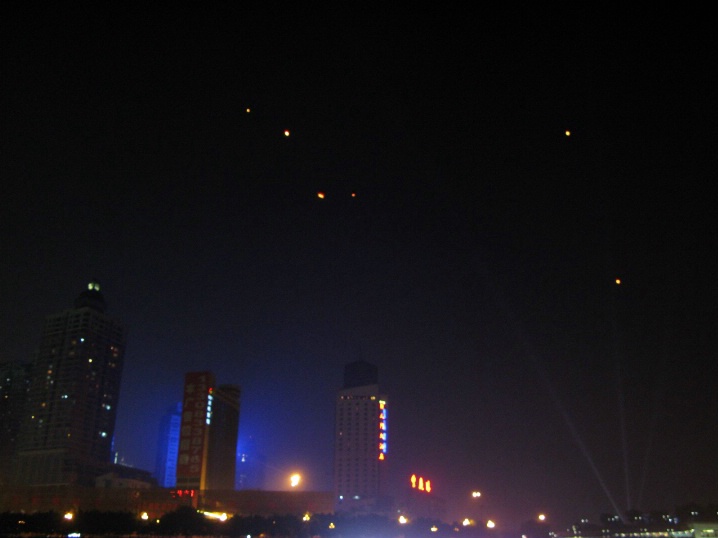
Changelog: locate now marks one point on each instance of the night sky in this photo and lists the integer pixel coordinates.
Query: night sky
(465, 244)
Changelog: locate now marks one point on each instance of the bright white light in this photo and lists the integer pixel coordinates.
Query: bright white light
(295, 479)
(68, 516)
(490, 524)
(215, 515)
(475, 494)
(403, 520)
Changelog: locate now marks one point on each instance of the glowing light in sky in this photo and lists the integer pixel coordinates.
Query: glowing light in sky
(320, 195)
(568, 133)
(286, 132)
(618, 281)
(295, 479)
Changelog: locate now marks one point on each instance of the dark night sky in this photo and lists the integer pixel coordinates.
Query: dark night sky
(475, 267)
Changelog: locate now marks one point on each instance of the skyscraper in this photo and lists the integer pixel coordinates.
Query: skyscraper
(167, 446)
(361, 440)
(208, 434)
(66, 437)
(223, 434)
(14, 382)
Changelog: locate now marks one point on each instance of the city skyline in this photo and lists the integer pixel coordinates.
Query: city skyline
(508, 211)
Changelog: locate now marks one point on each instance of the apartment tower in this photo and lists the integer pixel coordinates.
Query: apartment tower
(66, 436)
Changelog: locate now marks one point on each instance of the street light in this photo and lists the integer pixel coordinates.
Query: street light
(475, 495)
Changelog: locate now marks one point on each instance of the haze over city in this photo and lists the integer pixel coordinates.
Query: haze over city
(508, 211)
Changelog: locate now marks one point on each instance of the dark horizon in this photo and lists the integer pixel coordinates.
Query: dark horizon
(486, 179)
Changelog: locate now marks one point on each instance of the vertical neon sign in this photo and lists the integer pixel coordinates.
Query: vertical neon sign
(383, 444)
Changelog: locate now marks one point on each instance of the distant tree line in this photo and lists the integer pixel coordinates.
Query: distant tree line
(186, 521)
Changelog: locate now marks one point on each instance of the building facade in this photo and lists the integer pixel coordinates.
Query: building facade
(14, 384)
(223, 434)
(209, 429)
(67, 432)
(167, 447)
(360, 441)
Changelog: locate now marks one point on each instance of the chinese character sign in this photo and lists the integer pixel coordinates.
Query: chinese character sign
(383, 435)
(420, 483)
(194, 428)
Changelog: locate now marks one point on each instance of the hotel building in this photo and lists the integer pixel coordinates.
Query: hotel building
(360, 441)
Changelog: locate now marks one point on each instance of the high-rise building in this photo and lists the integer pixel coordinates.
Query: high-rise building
(208, 434)
(14, 382)
(66, 437)
(223, 434)
(360, 441)
(167, 447)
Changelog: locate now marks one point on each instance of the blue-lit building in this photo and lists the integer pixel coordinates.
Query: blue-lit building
(168, 446)
(251, 465)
